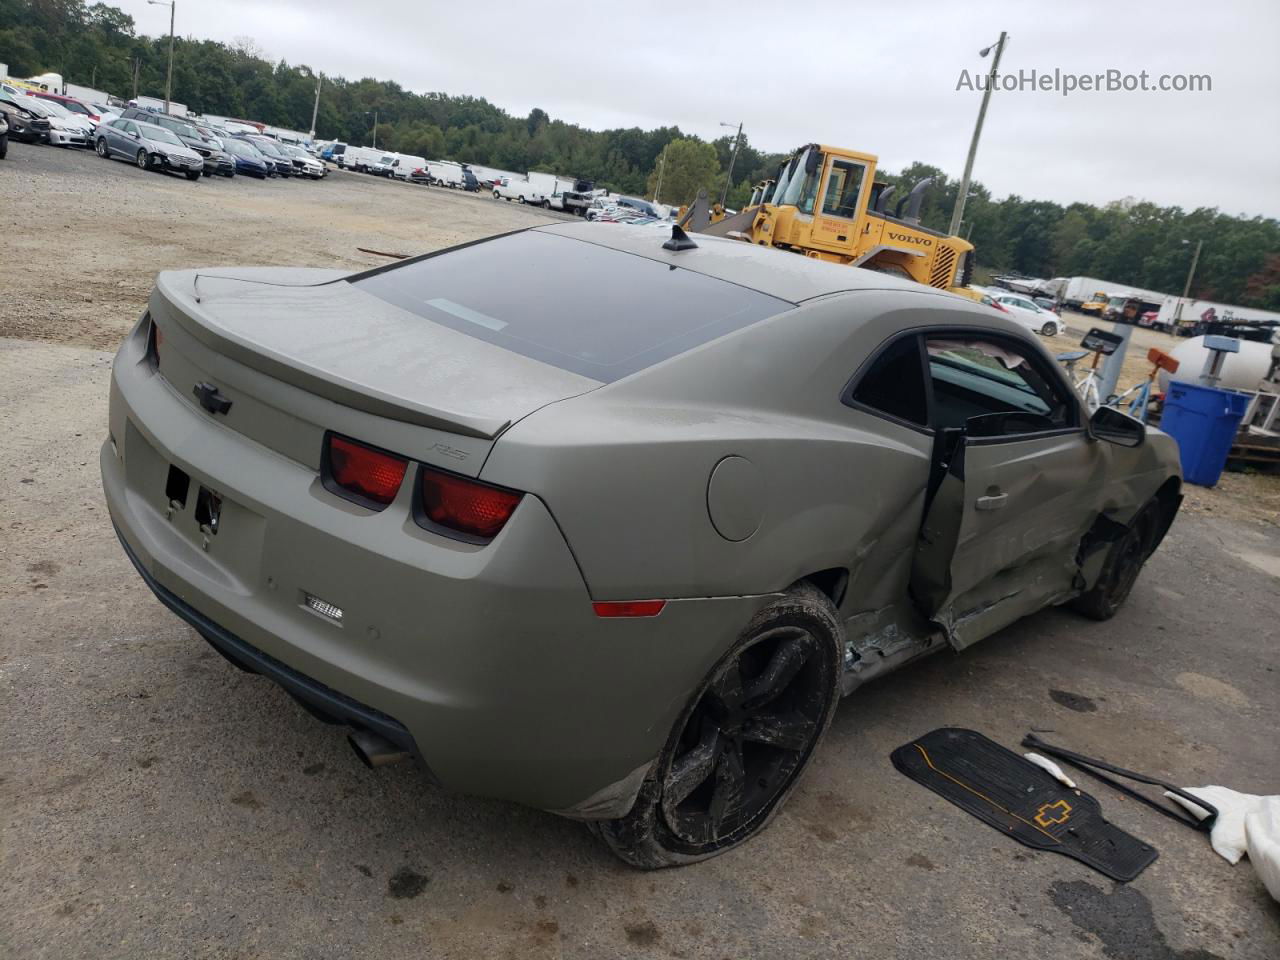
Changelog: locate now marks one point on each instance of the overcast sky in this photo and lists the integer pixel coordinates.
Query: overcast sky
(878, 78)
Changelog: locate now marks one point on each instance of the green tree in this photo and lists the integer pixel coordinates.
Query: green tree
(690, 166)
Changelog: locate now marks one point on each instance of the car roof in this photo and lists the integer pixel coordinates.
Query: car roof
(777, 273)
(153, 126)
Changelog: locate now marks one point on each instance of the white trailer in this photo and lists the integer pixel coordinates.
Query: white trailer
(294, 137)
(1081, 290)
(87, 94)
(175, 109)
(1182, 315)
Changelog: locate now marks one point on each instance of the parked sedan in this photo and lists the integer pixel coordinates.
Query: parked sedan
(611, 556)
(247, 158)
(149, 146)
(25, 124)
(75, 105)
(282, 166)
(304, 164)
(61, 129)
(1031, 315)
(66, 129)
(215, 159)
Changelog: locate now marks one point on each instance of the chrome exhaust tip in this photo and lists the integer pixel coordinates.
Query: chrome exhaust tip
(373, 750)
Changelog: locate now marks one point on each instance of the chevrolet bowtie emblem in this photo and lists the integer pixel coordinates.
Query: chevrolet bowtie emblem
(1050, 813)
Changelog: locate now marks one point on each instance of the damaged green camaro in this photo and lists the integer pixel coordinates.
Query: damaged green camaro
(606, 528)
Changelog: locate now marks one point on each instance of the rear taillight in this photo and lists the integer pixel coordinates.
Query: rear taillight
(367, 476)
(155, 340)
(465, 506)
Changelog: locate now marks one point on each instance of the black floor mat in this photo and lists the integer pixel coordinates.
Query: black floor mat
(1017, 797)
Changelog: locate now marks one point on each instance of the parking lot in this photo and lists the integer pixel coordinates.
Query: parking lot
(158, 802)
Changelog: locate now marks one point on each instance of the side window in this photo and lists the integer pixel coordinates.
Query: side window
(998, 380)
(844, 183)
(895, 383)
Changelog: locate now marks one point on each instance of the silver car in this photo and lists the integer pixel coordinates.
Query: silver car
(150, 146)
(617, 555)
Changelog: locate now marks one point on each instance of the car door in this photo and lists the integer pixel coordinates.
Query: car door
(119, 139)
(1015, 484)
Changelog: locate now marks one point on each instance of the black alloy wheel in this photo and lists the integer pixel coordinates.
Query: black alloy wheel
(746, 738)
(1124, 562)
(739, 748)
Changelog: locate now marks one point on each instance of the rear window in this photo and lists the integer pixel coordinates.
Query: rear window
(584, 308)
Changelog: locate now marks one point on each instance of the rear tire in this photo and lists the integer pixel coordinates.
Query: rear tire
(737, 751)
(1120, 570)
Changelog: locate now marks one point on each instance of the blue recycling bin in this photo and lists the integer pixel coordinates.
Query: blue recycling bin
(1204, 421)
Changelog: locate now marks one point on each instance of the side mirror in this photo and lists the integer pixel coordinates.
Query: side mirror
(1109, 424)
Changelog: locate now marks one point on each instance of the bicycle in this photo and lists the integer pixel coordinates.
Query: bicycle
(1141, 391)
(1101, 344)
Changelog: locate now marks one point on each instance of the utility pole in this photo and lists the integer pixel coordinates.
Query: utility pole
(662, 168)
(375, 128)
(137, 65)
(1186, 288)
(958, 213)
(737, 139)
(316, 109)
(168, 83)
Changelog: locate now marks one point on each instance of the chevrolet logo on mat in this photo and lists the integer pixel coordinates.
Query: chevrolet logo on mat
(1050, 813)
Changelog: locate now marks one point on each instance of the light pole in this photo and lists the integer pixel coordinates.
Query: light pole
(168, 83)
(737, 139)
(375, 127)
(662, 167)
(316, 109)
(1186, 288)
(958, 214)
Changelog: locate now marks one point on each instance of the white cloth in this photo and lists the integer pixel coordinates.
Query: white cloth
(1053, 768)
(1246, 824)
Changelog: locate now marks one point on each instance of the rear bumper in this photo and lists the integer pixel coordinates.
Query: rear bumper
(320, 700)
(490, 658)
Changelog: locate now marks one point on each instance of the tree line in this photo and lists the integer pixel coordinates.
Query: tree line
(1137, 243)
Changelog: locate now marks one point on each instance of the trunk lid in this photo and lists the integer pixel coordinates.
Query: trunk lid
(336, 358)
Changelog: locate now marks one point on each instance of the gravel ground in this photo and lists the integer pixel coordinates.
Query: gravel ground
(86, 236)
(157, 803)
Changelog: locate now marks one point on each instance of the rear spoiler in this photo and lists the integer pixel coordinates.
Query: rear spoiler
(177, 297)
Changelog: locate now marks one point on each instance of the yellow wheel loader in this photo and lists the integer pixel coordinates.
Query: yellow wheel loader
(825, 203)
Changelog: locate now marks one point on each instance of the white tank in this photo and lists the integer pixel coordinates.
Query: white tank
(1240, 371)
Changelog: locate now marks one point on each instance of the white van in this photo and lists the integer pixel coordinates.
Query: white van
(359, 159)
(510, 188)
(445, 173)
(404, 164)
